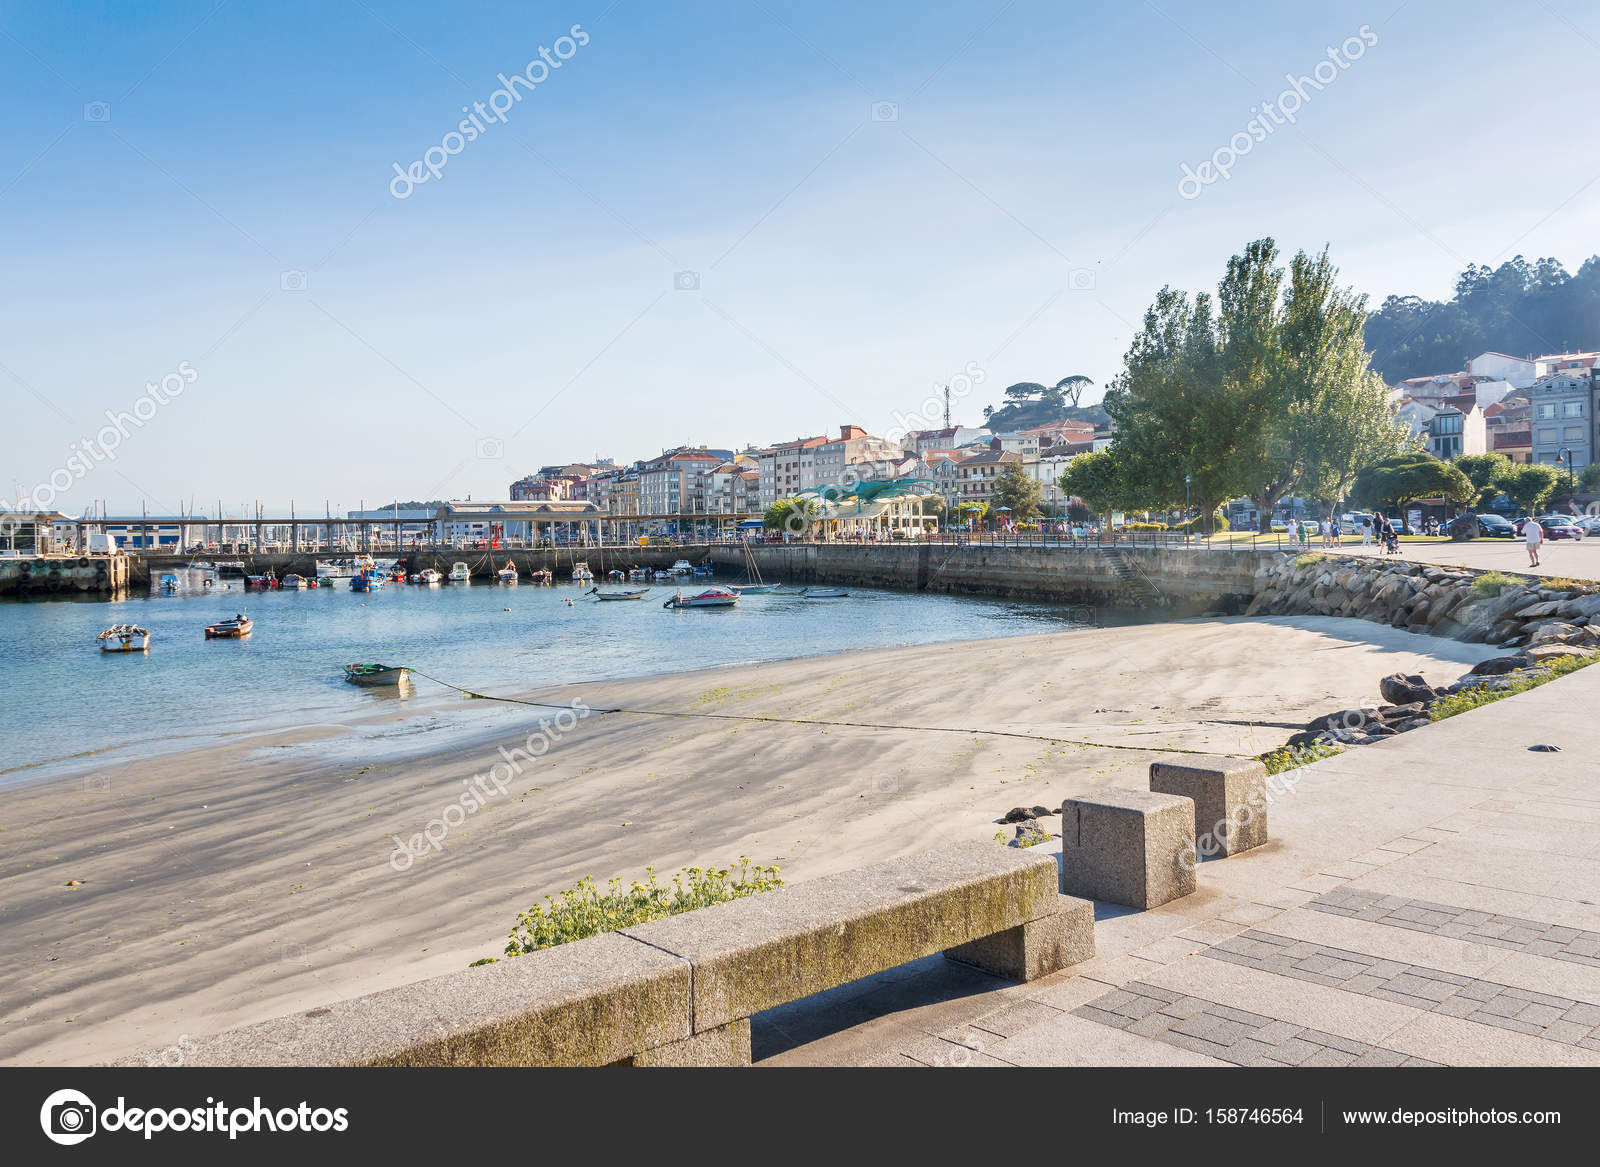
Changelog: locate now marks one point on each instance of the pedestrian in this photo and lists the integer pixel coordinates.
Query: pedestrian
(1533, 534)
(1327, 531)
(1366, 530)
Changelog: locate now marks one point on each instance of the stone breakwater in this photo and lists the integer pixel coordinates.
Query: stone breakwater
(1427, 598)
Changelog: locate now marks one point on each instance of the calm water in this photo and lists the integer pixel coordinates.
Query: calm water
(69, 699)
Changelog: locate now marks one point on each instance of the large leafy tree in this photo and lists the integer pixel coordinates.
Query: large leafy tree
(1530, 486)
(1097, 480)
(1488, 474)
(794, 515)
(1393, 482)
(1018, 491)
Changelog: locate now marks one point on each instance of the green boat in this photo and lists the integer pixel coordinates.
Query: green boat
(376, 674)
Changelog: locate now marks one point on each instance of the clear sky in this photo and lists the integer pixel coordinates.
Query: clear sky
(716, 223)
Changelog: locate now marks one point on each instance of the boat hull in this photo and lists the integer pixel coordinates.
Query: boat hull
(378, 678)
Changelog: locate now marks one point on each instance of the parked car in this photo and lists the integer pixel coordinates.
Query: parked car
(1350, 522)
(1589, 524)
(1555, 527)
(1481, 527)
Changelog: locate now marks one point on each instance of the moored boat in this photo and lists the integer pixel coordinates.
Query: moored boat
(427, 576)
(374, 675)
(124, 638)
(617, 593)
(168, 583)
(755, 589)
(638, 573)
(710, 598)
(616, 575)
(682, 567)
(369, 580)
(293, 583)
(581, 572)
(507, 575)
(261, 583)
(822, 593)
(460, 572)
(236, 629)
(541, 577)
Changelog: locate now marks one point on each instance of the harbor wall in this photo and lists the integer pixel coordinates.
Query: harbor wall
(108, 576)
(1177, 580)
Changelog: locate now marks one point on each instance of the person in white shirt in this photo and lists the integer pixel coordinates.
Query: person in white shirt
(1366, 531)
(1534, 534)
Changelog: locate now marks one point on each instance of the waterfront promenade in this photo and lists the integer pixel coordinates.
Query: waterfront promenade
(1432, 900)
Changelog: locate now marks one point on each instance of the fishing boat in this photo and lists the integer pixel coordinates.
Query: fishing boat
(683, 567)
(368, 581)
(261, 583)
(460, 572)
(124, 638)
(236, 629)
(427, 576)
(507, 575)
(397, 576)
(541, 577)
(293, 583)
(617, 593)
(704, 571)
(581, 572)
(710, 598)
(822, 593)
(375, 675)
(638, 573)
(616, 576)
(663, 575)
(168, 583)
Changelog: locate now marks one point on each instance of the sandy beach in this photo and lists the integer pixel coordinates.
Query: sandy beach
(181, 895)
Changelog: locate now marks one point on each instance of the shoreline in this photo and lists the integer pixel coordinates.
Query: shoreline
(238, 881)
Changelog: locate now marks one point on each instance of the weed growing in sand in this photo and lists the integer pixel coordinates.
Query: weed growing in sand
(1288, 757)
(1492, 583)
(586, 910)
(1475, 698)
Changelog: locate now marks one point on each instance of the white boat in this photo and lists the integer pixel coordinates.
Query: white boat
(618, 593)
(581, 572)
(755, 589)
(507, 575)
(710, 598)
(428, 576)
(823, 593)
(124, 638)
(638, 573)
(293, 583)
(682, 567)
(663, 575)
(460, 572)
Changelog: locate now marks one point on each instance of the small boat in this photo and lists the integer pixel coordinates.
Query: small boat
(427, 576)
(638, 573)
(704, 572)
(124, 638)
(710, 598)
(236, 629)
(822, 593)
(541, 577)
(755, 589)
(616, 575)
(373, 675)
(507, 575)
(752, 571)
(460, 572)
(663, 575)
(293, 583)
(581, 572)
(168, 583)
(618, 594)
(683, 567)
(369, 580)
(397, 576)
(261, 583)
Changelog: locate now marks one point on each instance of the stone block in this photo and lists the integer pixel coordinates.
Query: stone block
(1038, 948)
(726, 1045)
(755, 953)
(1229, 794)
(588, 1003)
(1129, 847)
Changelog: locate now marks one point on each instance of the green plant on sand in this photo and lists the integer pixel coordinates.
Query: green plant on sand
(585, 910)
(1288, 757)
(1475, 698)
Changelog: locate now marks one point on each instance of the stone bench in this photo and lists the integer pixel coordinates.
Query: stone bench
(681, 991)
(1230, 798)
(1130, 847)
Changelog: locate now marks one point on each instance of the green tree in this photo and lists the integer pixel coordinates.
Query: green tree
(1530, 486)
(1097, 480)
(1393, 482)
(1487, 473)
(1018, 491)
(933, 505)
(792, 515)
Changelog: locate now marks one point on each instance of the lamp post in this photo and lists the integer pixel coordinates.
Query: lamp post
(1187, 532)
(1566, 456)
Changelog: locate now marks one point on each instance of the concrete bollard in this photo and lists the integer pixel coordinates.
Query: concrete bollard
(1129, 847)
(1230, 799)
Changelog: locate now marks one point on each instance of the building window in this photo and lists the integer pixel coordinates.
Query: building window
(1546, 411)
(1572, 409)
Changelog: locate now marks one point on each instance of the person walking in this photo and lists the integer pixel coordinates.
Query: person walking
(1366, 530)
(1533, 534)
(1327, 531)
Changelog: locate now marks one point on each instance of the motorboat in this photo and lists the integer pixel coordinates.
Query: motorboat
(373, 676)
(168, 583)
(822, 593)
(541, 577)
(261, 583)
(236, 629)
(616, 576)
(507, 575)
(460, 572)
(370, 580)
(638, 573)
(581, 572)
(124, 638)
(618, 593)
(710, 598)
(427, 576)
(683, 567)
(293, 583)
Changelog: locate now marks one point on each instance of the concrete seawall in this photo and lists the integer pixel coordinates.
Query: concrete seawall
(1178, 580)
(108, 576)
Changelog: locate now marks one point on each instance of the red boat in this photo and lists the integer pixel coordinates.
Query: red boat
(236, 629)
(260, 583)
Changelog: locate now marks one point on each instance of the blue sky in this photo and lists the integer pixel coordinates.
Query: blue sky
(871, 198)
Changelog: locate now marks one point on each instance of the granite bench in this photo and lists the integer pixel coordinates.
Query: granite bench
(681, 991)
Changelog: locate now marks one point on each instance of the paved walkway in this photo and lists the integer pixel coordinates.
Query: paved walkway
(1434, 899)
(1576, 560)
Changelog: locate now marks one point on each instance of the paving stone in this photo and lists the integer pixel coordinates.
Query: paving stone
(1329, 1057)
(1334, 1041)
(1583, 1013)
(1104, 1017)
(1295, 1051)
(1242, 1053)
(1566, 1032)
(1153, 1025)
(1379, 1057)
(1510, 1023)
(1540, 1015)
(1277, 1032)
(1185, 1007)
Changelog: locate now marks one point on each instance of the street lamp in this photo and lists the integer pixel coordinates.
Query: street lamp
(1566, 456)
(1187, 532)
